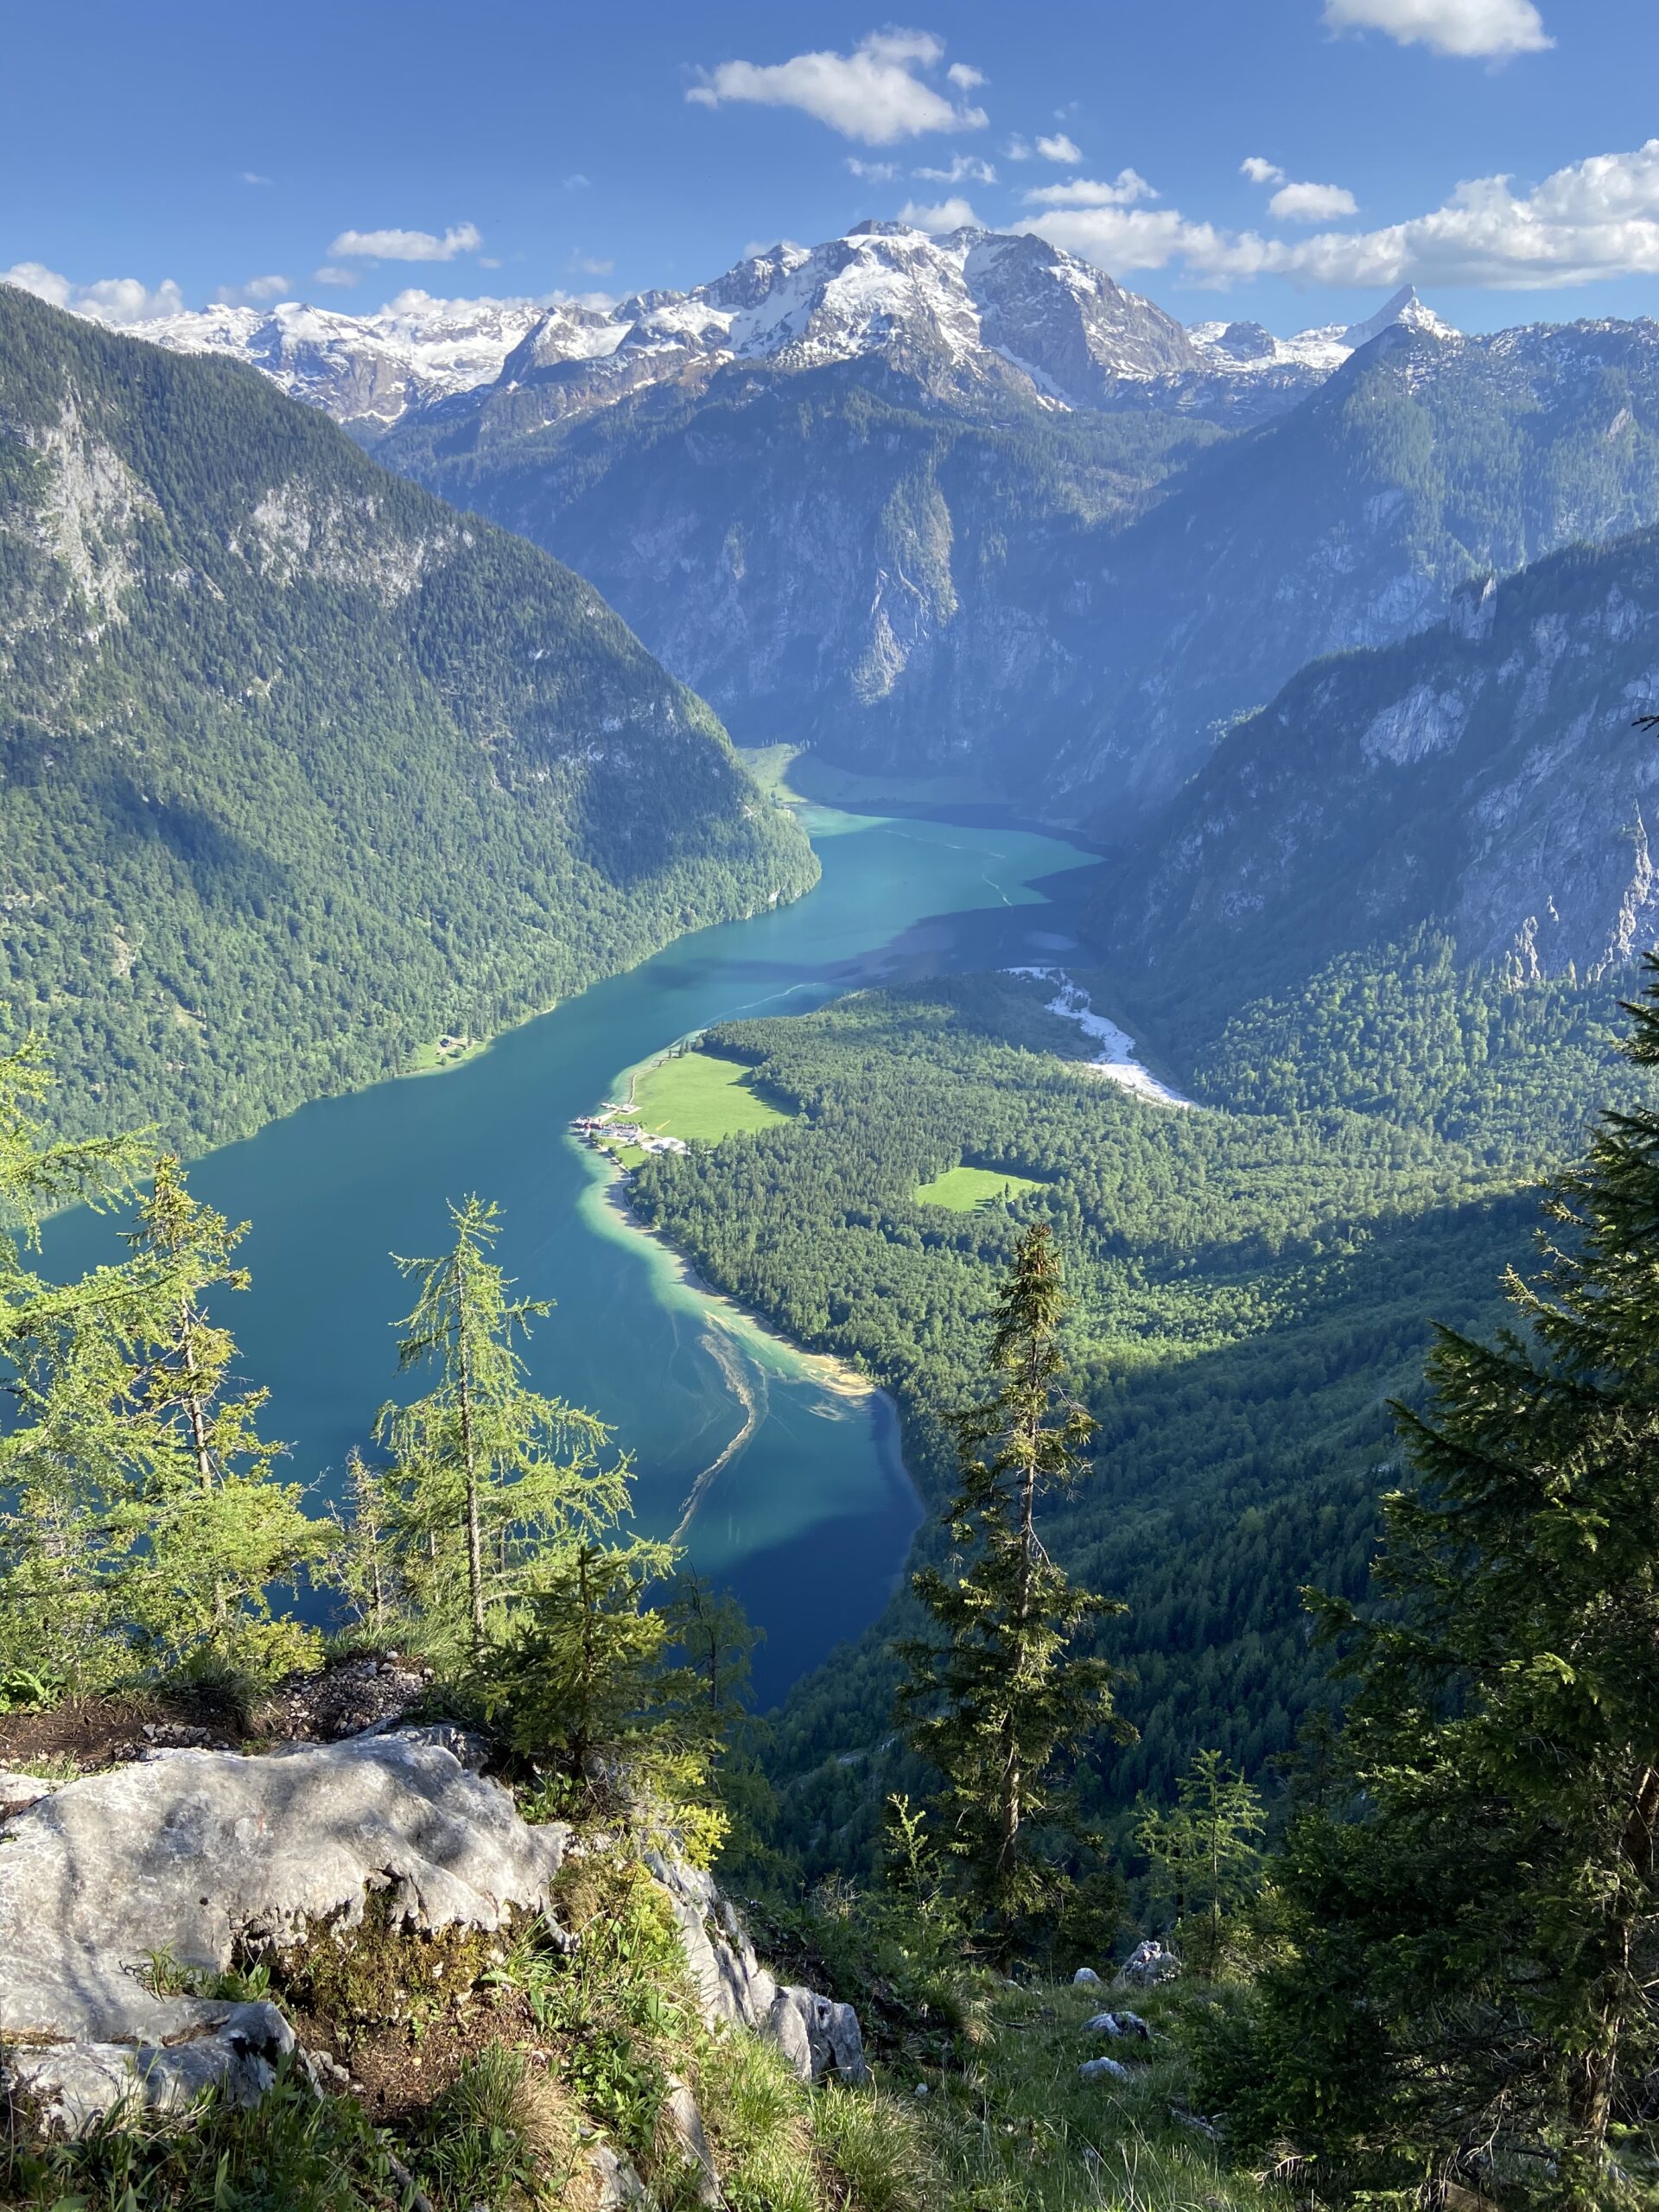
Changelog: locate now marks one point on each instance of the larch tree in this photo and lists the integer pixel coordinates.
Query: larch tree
(1003, 1699)
(489, 1478)
(216, 1529)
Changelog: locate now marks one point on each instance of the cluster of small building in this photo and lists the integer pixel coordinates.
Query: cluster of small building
(601, 1131)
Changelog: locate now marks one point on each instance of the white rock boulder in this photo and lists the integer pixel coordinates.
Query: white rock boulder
(197, 1855)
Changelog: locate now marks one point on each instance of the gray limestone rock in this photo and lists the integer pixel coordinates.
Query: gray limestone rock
(1102, 2070)
(815, 2035)
(620, 2189)
(691, 2137)
(194, 1854)
(1148, 1964)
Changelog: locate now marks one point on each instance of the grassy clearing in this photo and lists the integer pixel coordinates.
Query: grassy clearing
(965, 1189)
(702, 1098)
(443, 1052)
(1016, 2130)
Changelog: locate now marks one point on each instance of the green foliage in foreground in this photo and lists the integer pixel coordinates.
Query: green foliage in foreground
(1471, 1914)
(299, 769)
(1252, 1282)
(142, 1526)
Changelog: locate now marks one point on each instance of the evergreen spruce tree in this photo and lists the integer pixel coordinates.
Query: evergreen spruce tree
(1478, 1947)
(488, 1475)
(1000, 1704)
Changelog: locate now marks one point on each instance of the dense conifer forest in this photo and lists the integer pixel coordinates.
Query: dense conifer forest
(1251, 1280)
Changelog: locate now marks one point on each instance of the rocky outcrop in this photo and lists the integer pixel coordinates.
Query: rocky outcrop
(119, 1890)
(816, 2035)
(125, 1894)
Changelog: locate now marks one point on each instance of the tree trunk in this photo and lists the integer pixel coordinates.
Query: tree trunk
(195, 1412)
(1596, 2070)
(474, 1532)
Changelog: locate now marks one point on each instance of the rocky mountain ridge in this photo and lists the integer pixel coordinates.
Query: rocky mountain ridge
(975, 313)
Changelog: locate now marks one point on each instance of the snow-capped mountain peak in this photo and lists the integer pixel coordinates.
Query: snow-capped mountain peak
(973, 314)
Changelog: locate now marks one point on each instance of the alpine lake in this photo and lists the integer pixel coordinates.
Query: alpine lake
(783, 1473)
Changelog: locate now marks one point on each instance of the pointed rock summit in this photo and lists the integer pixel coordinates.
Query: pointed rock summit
(1406, 309)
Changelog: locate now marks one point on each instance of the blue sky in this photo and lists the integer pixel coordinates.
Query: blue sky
(520, 149)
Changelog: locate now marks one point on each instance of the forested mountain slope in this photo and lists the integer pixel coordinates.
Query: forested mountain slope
(1487, 776)
(301, 767)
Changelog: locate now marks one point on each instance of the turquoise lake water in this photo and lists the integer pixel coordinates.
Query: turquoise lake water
(801, 1503)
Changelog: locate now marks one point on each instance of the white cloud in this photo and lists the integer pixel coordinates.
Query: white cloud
(587, 264)
(1059, 147)
(952, 214)
(1121, 238)
(1017, 150)
(964, 168)
(876, 93)
(873, 171)
(252, 176)
(577, 183)
(328, 274)
(965, 78)
(1492, 28)
(1126, 188)
(117, 300)
(1597, 218)
(409, 245)
(1313, 203)
(1298, 203)
(250, 294)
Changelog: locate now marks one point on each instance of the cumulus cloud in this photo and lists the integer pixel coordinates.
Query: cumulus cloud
(1059, 147)
(873, 171)
(965, 78)
(1313, 203)
(1125, 188)
(118, 300)
(877, 93)
(577, 183)
(1298, 203)
(950, 214)
(408, 245)
(252, 176)
(1490, 27)
(1597, 218)
(329, 275)
(258, 288)
(1121, 238)
(964, 168)
(587, 264)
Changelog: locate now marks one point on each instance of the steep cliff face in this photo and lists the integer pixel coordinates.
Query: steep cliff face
(839, 561)
(1425, 460)
(1074, 602)
(1488, 776)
